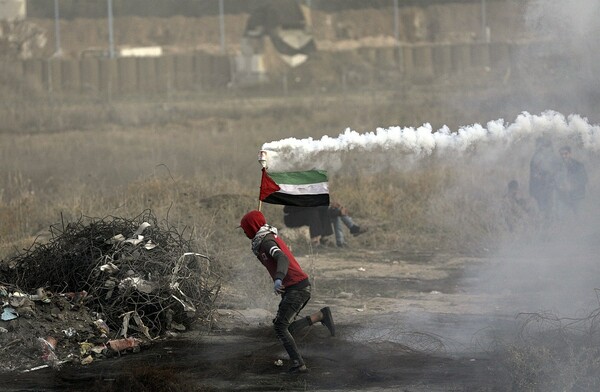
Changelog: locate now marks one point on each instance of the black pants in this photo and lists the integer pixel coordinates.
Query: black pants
(292, 302)
(316, 218)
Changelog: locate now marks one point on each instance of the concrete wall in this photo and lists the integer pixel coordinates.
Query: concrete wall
(204, 72)
(128, 76)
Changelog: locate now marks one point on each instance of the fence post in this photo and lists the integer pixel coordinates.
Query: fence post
(222, 24)
(58, 50)
(111, 42)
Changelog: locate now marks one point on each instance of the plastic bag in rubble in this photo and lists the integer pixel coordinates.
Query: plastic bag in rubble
(9, 313)
(102, 327)
(48, 345)
(141, 285)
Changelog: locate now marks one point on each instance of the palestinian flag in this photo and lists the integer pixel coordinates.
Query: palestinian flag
(302, 188)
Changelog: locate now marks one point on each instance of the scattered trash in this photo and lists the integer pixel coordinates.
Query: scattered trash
(109, 281)
(76, 297)
(48, 345)
(123, 344)
(17, 294)
(102, 327)
(116, 239)
(42, 367)
(3, 330)
(109, 267)
(17, 299)
(85, 348)
(41, 295)
(150, 245)
(70, 332)
(435, 292)
(9, 313)
(139, 284)
(99, 349)
(138, 320)
(118, 275)
(279, 363)
(135, 241)
(361, 269)
(141, 228)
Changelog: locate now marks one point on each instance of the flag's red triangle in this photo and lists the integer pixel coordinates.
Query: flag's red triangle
(267, 185)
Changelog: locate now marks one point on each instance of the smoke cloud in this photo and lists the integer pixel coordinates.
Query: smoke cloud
(550, 268)
(292, 153)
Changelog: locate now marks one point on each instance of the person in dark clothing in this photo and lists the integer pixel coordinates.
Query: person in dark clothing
(289, 281)
(571, 182)
(542, 170)
(316, 218)
(340, 217)
(322, 221)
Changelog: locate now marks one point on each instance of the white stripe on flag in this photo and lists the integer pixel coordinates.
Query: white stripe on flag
(318, 188)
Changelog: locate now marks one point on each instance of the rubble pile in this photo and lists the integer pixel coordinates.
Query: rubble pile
(100, 286)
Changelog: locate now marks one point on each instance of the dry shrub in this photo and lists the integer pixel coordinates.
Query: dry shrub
(542, 366)
(426, 207)
(552, 354)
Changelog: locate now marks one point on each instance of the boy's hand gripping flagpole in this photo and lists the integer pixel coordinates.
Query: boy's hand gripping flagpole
(262, 159)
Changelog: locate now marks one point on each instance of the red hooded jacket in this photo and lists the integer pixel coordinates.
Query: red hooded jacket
(273, 257)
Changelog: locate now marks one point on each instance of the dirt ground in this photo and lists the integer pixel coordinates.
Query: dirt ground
(404, 322)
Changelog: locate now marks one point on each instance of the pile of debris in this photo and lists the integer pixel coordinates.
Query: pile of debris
(101, 286)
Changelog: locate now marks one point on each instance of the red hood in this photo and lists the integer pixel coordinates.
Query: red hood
(251, 222)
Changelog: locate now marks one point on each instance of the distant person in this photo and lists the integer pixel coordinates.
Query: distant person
(542, 170)
(289, 281)
(322, 222)
(316, 218)
(518, 212)
(339, 218)
(571, 182)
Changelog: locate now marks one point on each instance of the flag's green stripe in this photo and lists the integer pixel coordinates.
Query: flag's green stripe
(298, 200)
(300, 177)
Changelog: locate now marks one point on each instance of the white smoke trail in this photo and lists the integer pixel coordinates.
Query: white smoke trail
(423, 141)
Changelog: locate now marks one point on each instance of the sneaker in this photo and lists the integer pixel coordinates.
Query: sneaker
(328, 320)
(357, 230)
(297, 369)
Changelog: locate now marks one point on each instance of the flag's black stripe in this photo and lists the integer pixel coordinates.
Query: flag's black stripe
(298, 200)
